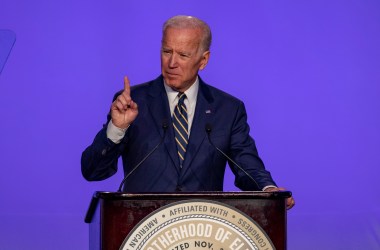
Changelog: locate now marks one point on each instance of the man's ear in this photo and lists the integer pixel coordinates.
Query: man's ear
(204, 59)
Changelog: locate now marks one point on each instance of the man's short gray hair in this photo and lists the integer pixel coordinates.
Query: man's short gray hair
(190, 22)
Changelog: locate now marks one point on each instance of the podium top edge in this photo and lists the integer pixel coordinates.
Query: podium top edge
(193, 195)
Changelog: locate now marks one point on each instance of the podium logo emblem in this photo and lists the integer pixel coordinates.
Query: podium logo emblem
(197, 224)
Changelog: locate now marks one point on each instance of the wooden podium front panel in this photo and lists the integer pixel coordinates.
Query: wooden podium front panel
(119, 213)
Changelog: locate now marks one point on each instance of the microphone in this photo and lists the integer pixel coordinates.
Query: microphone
(208, 131)
(164, 127)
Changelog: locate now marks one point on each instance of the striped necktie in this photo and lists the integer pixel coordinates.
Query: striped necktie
(181, 127)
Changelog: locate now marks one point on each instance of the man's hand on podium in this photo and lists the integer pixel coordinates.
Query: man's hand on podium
(289, 201)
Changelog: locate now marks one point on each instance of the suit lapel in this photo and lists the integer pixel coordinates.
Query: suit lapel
(160, 111)
(203, 114)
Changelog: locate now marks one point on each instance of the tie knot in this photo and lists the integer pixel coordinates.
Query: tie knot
(181, 102)
(181, 97)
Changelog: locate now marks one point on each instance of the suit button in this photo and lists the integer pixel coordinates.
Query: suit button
(178, 189)
(104, 152)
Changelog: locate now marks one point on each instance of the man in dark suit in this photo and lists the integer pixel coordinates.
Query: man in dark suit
(185, 118)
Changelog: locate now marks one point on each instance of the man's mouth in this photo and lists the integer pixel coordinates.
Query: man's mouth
(171, 74)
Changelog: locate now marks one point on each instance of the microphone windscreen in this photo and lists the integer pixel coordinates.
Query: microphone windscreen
(208, 127)
(165, 124)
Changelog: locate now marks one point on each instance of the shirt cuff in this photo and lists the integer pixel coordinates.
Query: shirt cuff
(269, 186)
(115, 134)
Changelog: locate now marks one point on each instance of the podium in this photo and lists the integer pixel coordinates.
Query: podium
(202, 220)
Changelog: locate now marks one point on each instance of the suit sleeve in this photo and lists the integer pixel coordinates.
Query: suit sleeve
(243, 150)
(99, 160)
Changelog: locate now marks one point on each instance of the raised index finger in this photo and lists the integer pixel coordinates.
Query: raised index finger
(127, 87)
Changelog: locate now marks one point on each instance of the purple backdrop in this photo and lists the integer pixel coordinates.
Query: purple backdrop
(308, 71)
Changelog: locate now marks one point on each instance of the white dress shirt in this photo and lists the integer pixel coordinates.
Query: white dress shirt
(190, 101)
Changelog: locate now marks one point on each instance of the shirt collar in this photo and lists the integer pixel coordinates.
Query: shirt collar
(191, 93)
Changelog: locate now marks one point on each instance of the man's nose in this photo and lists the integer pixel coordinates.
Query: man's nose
(173, 61)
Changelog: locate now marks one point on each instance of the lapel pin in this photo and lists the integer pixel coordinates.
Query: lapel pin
(208, 111)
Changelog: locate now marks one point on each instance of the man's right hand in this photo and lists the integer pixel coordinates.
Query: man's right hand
(124, 110)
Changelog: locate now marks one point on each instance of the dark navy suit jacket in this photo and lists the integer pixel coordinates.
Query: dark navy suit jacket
(203, 168)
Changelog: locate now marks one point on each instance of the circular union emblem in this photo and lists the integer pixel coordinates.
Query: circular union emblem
(197, 224)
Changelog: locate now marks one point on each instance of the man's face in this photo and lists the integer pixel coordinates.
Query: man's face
(182, 57)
